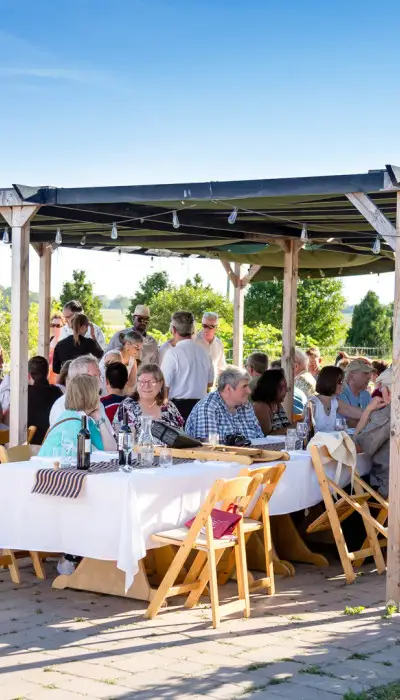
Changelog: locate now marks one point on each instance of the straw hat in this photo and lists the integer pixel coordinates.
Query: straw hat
(358, 366)
(142, 310)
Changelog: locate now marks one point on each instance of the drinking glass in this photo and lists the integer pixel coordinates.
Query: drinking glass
(213, 439)
(302, 430)
(340, 424)
(290, 440)
(165, 457)
(146, 456)
(67, 445)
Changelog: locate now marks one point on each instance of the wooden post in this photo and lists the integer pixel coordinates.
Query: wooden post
(393, 549)
(44, 299)
(290, 277)
(238, 317)
(18, 218)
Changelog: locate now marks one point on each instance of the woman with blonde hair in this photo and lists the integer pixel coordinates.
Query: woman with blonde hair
(75, 345)
(82, 398)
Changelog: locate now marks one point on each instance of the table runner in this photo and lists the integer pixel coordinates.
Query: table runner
(59, 482)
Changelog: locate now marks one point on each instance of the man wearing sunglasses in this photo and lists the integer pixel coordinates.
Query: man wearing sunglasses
(141, 320)
(213, 345)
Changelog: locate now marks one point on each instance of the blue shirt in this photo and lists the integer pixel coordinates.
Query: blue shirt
(360, 401)
(211, 415)
(52, 444)
(299, 401)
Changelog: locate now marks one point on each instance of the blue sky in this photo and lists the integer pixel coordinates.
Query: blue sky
(98, 92)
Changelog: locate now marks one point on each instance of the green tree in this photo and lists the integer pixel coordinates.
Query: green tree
(192, 296)
(148, 289)
(319, 308)
(370, 324)
(81, 290)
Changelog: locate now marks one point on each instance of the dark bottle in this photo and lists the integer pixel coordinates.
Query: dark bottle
(310, 424)
(124, 441)
(84, 446)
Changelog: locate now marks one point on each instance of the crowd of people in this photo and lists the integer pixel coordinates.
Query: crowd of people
(187, 384)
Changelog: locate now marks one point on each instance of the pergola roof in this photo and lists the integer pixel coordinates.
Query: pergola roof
(267, 210)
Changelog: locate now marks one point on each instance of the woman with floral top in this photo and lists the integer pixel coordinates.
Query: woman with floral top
(149, 399)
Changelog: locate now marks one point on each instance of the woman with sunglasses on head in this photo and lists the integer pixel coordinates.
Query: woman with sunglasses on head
(56, 325)
(149, 399)
(75, 345)
(128, 352)
(325, 405)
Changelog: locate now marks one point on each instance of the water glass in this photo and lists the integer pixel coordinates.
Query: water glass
(67, 445)
(302, 431)
(340, 424)
(290, 440)
(165, 457)
(146, 456)
(213, 439)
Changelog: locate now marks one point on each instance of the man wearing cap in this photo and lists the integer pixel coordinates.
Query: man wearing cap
(141, 319)
(358, 375)
(213, 345)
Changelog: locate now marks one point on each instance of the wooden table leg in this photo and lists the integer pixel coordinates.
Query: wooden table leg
(289, 543)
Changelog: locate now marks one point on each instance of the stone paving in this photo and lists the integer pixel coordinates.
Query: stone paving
(62, 645)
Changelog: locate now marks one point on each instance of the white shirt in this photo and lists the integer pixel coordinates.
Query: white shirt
(323, 422)
(58, 408)
(187, 370)
(216, 351)
(99, 335)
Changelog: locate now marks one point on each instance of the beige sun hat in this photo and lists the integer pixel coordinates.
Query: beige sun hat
(142, 310)
(358, 366)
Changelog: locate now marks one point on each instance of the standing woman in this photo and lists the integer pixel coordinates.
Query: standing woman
(75, 345)
(128, 352)
(56, 324)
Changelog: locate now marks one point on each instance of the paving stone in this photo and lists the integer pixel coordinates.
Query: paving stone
(330, 685)
(290, 691)
(364, 671)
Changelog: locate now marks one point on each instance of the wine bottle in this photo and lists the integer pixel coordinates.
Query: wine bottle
(84, 446)
(124, 440)
(310, 423)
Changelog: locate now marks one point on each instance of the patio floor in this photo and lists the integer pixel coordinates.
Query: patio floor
(62, 645)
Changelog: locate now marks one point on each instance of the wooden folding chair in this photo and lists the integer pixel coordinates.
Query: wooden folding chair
(31, 432)
(239, 491)
(4, 437)
(257, 522)
(338, 511)
(20, 453)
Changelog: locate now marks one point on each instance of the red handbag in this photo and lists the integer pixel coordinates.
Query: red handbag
(223, 521)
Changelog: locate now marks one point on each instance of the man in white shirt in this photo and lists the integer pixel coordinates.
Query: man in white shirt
(188, 369)
(213, 345)
(75, 307)
(85, 364)
(141, 320)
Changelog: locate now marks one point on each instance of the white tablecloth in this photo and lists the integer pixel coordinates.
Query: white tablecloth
(116, 513)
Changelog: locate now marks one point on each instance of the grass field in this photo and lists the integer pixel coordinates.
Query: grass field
(114, 317)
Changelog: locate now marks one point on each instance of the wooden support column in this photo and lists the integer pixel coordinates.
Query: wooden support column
(290, 277)
(18, 218)
(238, 317)
(44, 299)
(393, 549)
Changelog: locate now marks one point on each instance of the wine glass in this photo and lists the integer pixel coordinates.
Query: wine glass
(67, 445)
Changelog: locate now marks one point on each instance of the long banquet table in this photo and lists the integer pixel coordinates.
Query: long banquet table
(111, 522)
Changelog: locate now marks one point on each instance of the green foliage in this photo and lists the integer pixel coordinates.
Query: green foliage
(82, 290)
(384, 692)
(371, 323)
(151, 286)
(319, 308)
(5, 326)
(354, 611)
(193, 296)
(390, 610)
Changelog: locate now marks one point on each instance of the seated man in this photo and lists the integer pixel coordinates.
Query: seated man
(116, 380)
(226, 411)
(256, 365)
(41, 397)
(314, 361)
(373, 435)
(358, 375)
(303, 379)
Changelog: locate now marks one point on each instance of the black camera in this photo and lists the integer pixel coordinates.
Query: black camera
(237, 440)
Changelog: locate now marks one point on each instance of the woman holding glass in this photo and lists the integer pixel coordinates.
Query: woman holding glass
(82, 397)
(128, 352)
(150, 400)
(326, 406)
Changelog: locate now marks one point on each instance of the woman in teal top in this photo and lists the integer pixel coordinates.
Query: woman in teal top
(82, 396)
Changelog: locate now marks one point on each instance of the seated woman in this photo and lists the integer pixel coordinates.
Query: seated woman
(82, 397)
(325, 405)
(150, 399)
(128, 352)
(267, 400)
(75, 345)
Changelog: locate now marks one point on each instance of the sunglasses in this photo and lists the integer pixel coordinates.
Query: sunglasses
(210, 328)
(142, 319)
(55, 325)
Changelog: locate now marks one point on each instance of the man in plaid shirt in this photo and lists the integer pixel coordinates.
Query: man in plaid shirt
(226, 411)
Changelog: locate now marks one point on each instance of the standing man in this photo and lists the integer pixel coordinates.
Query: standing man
(214, 345)
(141, 320)
(188, 369)
(303, 379)
(94, 332)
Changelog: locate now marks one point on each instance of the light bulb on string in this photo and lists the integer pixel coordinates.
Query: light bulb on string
(58, 238)
(376, 249)
(322, 273)
(233, 216)
(175, 220)
(6, 236)
(304, 234)
(83, 240)
(114, 232)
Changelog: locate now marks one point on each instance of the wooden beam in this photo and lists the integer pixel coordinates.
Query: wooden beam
(18, 218)
(290, 277)
(44, 300)
(393, 548)
(238, 318)
(227, 267)
(251, 273)
(374, 216)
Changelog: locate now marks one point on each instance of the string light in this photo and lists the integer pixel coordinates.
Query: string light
(6, 236)
(83, 240)
(330, 240)
(304, 234)
(322, 273)
(114, 232)
(233, 216)
(175, 220)
(376, 249)
(58, 237)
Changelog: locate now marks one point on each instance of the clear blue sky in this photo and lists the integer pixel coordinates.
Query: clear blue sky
(96, 92)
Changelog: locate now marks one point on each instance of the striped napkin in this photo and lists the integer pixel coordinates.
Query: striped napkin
(59, 482)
